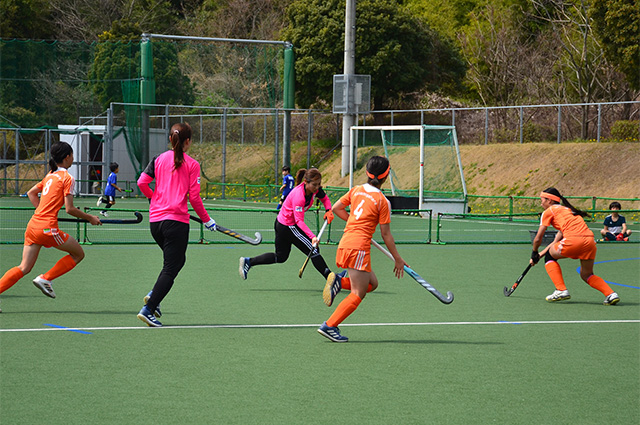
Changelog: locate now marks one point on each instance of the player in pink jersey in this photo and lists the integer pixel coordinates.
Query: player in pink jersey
(54, 191)
(292, 230)
(177, 178)
(573, 240)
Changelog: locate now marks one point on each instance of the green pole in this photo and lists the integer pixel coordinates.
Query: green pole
(288, 103)
(289, 78)
(147, 96)
(148, 82)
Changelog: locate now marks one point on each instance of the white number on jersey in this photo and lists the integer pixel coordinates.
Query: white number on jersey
(358, 211)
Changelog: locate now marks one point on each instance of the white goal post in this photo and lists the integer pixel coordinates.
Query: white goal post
(446, 136)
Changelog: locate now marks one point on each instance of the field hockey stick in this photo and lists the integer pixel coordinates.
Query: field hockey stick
(138, 219)
(233, 233)
(426, 285)
(313, 247)
(508, 291)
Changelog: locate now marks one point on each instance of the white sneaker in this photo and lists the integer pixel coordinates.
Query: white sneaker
(45, 286)
(99, 201)
(558, 296)
(104, 214)
(612, 299)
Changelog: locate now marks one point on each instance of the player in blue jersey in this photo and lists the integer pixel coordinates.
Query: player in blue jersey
(109, 196)
(615, 225)
(288, 183)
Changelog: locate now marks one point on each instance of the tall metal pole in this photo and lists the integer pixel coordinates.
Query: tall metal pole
(348, 119)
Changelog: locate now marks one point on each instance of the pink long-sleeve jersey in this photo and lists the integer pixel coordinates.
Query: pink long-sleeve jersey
(173, 188)
(295, 205)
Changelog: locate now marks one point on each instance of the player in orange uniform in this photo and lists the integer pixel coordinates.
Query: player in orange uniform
(55, 190)
(369, 207)
(573, 240)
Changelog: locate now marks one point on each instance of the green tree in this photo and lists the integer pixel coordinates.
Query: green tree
(400, 52)
(616, 24)
(117, 60)
(25, 19)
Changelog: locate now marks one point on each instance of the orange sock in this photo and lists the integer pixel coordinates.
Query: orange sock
(63, 265)
(10, 278)
(598, 283)
(555, 273)
(344, 309)
(346, 284)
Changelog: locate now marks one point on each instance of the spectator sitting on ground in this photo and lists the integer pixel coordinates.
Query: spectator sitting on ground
(615, 225)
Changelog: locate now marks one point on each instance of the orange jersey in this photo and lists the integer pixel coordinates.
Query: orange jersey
(54, 187)
(564, 220)
(369, 207)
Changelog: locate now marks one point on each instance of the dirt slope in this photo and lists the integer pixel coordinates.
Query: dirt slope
(585, 169)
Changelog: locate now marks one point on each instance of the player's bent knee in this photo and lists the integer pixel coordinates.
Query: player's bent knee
(548, 257)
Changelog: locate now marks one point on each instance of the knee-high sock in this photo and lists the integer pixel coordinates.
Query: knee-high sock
(63, 265)
(344, 309)
(598, 283)
(555, 273)
(10, 278)
(346, 284)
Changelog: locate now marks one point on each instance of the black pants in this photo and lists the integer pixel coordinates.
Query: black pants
(285, 237)
(172, 237)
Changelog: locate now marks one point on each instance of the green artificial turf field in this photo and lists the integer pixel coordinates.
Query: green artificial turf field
(241, 352)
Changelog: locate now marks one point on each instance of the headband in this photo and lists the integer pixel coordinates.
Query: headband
(380, 176)
(550, 196)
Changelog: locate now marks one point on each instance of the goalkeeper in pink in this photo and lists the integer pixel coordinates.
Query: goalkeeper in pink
(177, 178)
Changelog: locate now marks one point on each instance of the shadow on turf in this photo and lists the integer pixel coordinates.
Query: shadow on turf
(319, 291)
(422, 341)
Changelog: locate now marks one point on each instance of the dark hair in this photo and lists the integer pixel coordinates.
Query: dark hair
(179, 133)
(376, 166)
(307, 175)
(59, 151)
(113, 166)
(574, 210)
(287, 169)
(615, 204)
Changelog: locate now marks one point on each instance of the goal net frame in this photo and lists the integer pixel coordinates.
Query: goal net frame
(444, 205)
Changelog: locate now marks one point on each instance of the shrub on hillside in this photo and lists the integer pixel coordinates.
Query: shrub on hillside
(625, 131)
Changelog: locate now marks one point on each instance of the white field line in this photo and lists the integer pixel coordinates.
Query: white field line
(294, 325)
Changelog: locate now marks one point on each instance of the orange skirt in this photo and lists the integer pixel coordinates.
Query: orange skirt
(49, 237)
(353, 259)
(577, 247)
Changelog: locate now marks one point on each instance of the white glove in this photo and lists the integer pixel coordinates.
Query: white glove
(211, 225)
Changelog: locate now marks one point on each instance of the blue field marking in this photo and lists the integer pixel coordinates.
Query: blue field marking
(67, 329)
(613, 261)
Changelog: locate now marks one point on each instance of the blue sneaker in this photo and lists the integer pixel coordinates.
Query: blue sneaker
(332, 287)
(332, 333)
(244, 267)
(158, 312)
(148, 318)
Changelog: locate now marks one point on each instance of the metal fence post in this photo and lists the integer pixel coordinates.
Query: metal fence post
(559, 123)
(521, 123)
(309, 137)
(224, 151)
(486, 126)
(599, 121)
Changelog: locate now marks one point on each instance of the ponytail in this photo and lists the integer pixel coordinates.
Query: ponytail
(300, 175)
(180, 133)
(59, 151)
(556, 193)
